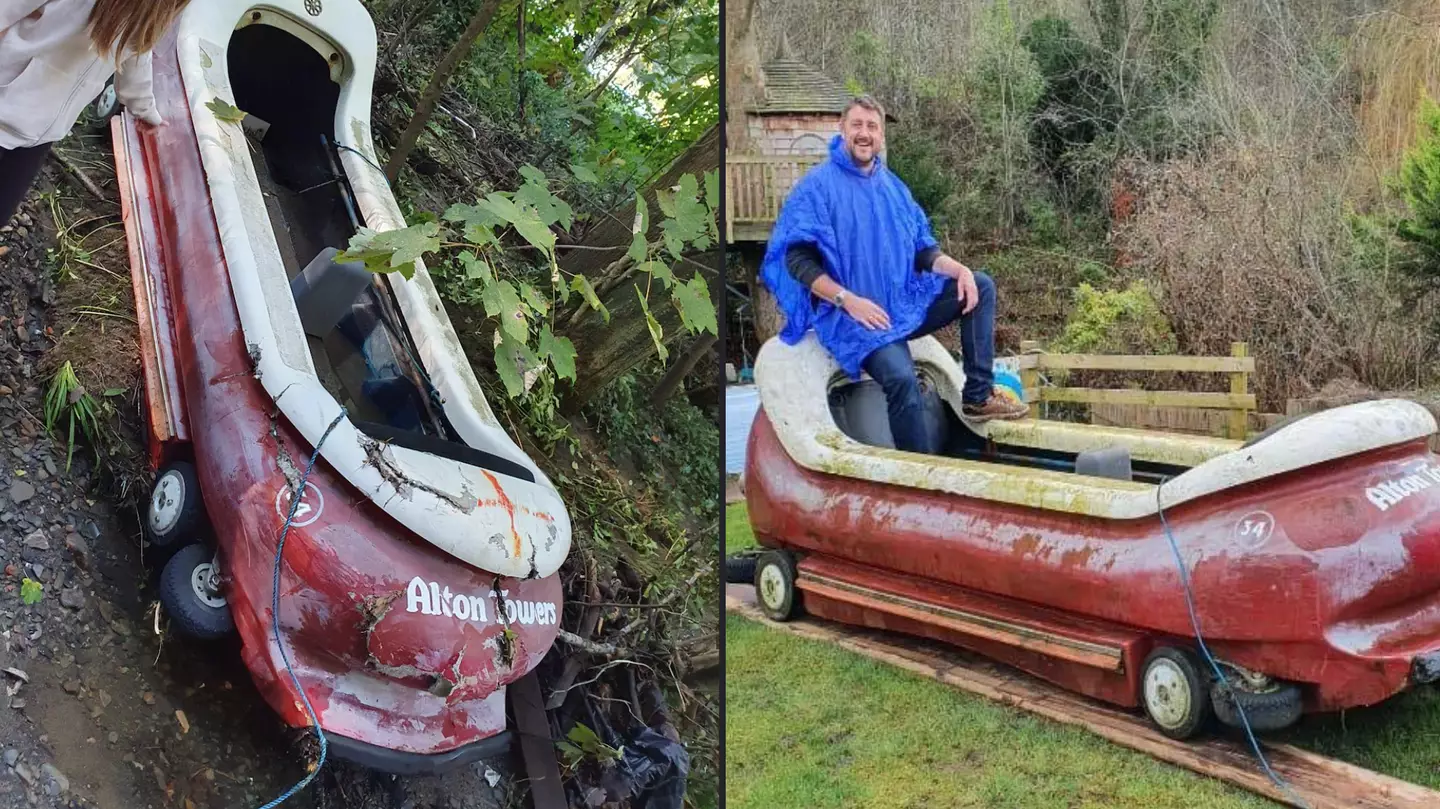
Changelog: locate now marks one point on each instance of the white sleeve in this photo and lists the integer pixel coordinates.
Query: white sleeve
(134, 86)
(13, 11)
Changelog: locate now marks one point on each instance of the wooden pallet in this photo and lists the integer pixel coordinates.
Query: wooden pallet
(1319, 781)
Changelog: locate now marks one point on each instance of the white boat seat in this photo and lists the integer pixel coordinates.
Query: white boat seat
(326, 290)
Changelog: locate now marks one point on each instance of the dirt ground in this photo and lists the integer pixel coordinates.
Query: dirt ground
(97, 709)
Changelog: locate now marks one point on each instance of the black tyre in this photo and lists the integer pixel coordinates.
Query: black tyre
(1274, 709)
(775, 586)
(740, 569)
(107, 104)
(177, 513)
(191, 595)
(1175, 692)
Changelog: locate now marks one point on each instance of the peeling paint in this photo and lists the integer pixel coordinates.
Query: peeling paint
(283, 459)
(404, 484)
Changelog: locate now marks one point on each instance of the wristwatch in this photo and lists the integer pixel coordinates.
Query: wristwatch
(840, 298)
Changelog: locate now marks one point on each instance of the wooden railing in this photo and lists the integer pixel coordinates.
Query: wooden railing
(756, 187)
(1239, 365)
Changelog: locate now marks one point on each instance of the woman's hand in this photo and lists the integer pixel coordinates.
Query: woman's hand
(149, 115)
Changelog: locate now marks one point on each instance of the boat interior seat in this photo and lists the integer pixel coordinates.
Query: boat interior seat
(861, 412)
(326, 290)
(1110, 462)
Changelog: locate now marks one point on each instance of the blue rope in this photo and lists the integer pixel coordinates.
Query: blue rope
(275, 618)
(1214, 666)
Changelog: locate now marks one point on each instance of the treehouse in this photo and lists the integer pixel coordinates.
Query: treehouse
(787, 131)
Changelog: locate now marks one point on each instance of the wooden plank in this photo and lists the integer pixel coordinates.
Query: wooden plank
(1141, 362)
(1238, 387)
(1321, 782)
(537, 749)
(1157, 398)
(1029, 377)
(751, 159)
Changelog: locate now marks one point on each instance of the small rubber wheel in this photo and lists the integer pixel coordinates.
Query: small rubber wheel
(107, 104)
(177, 512)
(1275, 709)
(191, 595)
(775, 586)
(1174, 692)
(740, 569)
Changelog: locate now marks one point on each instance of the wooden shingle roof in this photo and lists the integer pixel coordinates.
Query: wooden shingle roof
(793, 86)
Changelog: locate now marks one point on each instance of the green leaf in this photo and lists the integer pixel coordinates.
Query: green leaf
(393, 250)
(560, 351)
(225, 111)
(656, 333)
(673, 241)
(550, 208)
(205, 60)
(667, 202)
(502, 302)
(113, 392)
(641, 224)
(584, 174)
(697, 311)
(31, 591)
(712, 189)
(659, 270)
(476, 267)
(532, 174)
(582, 285)
(638, 247)
(513, 359)
(534, 299)
(535, 232)
(689, 187)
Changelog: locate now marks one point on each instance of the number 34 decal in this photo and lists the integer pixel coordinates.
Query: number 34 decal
(1255, 528)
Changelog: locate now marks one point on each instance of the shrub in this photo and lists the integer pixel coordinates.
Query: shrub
(1119, 321)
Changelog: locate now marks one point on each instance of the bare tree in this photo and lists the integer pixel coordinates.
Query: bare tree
(441, 77)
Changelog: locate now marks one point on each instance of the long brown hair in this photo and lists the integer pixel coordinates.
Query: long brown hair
(121, 27)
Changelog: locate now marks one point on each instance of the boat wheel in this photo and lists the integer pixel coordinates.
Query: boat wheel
(177, 513)
(191, 594)
(1175, 694)
(775, 586)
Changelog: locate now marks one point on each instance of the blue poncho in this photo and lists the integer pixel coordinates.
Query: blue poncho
(868, 229)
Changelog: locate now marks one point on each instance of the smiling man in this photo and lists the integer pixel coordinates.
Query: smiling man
(852, 256)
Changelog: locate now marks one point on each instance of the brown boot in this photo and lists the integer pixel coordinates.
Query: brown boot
(996, 407)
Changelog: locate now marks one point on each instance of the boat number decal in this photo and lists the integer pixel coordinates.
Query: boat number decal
(1254, 528)
(429, 598)
(313, 7)
(312, 503)
(1387, 493)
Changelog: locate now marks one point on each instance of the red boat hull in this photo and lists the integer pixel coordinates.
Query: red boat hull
(1338, 596)
(396, 644)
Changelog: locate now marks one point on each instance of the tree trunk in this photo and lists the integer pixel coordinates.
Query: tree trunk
(764, 312)
(744, 84)
(608, 350)
(614, 230)
(681, 368)
(520, 63)
(441, 77)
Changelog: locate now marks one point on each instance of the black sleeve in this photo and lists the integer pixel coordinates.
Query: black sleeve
(805, 263)
(925, 259)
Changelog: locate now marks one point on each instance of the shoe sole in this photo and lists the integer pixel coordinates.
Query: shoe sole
(981, 419)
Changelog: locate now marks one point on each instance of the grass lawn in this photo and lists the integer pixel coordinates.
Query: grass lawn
(737, 528)
(808, 724)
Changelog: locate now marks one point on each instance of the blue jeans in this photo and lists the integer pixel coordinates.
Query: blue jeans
(894, 368)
